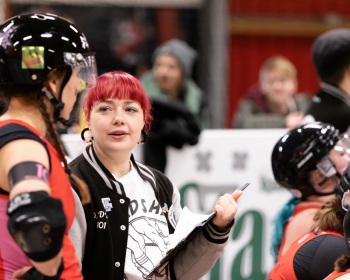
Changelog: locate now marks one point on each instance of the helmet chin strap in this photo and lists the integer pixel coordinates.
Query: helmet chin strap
(325, 194)
(323, 182)
(57, 103)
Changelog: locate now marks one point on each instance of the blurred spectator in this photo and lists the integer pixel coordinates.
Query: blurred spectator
(274, 103)
(131, 41)
(331, 58)
(178, 103)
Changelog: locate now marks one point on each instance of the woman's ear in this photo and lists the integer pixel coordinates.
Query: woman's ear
(143, 136)
(53, 87)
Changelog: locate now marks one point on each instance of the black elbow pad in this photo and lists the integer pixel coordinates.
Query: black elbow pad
(37, 223)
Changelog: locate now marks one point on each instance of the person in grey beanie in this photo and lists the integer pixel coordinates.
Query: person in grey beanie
(331, 58)
(183, 53)
(180, 109)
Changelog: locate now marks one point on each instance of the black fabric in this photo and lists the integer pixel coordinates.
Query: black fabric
(34, 219)
(105, 250)
(11, 132)
(3, 192)
(331, 52)
(315, 259)
(154, 154)
(174, 125)
(27, 170)
(33, 274)
(164, 193)
(327, 108)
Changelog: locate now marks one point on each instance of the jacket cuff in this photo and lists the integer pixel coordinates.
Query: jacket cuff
(216, 234)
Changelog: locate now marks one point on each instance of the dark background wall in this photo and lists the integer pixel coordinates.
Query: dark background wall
(256, 30)
(124, 38)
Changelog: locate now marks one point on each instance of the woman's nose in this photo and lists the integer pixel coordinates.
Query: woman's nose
(163, 70)
(118, 117)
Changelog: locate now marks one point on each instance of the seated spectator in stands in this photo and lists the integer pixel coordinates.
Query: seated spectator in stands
(274, 103)
(178, 103)
(307, 161)
(331, 58)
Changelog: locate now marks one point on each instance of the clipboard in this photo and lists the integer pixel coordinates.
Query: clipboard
(180, 245)
(185, 240)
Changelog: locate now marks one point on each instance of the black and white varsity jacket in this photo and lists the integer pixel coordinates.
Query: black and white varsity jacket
(104, 251)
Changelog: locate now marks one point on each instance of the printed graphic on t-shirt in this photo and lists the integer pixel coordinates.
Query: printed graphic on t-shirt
(147, 243)
(148, 232)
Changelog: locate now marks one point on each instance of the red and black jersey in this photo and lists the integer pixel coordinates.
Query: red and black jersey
(11, 256)
(336, 274)
(310, 257)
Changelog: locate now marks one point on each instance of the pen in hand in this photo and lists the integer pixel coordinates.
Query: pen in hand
(241, 188)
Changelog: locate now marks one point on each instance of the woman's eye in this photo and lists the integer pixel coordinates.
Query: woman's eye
(131, 109)
(103, 109)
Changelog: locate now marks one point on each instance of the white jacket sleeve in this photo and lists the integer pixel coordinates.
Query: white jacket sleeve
(201, 254)
(77, 231)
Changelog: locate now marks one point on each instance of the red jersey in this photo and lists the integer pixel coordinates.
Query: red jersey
(312, 256)
(297, 210)
(335, 274)
(11, 256)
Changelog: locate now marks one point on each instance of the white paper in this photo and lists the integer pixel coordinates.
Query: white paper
(187, 222)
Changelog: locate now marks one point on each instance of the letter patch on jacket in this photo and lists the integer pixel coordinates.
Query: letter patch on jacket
(106, 201)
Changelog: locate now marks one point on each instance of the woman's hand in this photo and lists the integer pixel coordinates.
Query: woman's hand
(226, 208)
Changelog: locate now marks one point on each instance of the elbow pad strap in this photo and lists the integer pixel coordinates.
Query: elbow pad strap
(37, 223)
(33, 274)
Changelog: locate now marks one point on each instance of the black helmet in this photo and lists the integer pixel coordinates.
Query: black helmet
(298, 152)
(32, 45)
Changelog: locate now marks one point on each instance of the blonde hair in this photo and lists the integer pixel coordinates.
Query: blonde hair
(342, 263)
(329, 217)
(280, 64)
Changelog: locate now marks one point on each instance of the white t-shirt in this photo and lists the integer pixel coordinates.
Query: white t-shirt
(148, 236)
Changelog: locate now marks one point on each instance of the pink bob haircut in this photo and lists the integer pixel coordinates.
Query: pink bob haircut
(119, 85)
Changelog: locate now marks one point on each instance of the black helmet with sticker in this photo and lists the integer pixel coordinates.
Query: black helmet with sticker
(32, 45)
(298, 152)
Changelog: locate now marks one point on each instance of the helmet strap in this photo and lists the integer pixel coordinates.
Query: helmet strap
(65, 80)
(57, 105)
(325, 179)
(323, 182)
(325, 194)
(67, 75)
